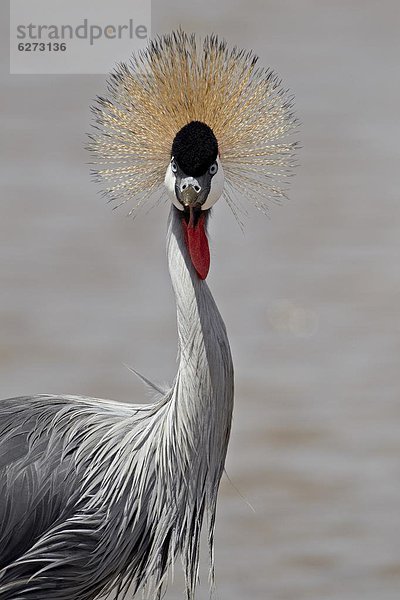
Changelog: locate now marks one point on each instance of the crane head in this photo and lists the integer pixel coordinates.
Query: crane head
(194, 177)
(195, 180)
(175, 114)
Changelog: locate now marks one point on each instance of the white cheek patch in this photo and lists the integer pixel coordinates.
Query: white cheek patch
(169, 183)
(217, 187)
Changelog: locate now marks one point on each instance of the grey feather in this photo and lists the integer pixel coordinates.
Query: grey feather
(150, 384)
(99, 496)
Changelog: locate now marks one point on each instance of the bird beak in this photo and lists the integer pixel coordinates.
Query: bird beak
(189, 196)
(192, 191)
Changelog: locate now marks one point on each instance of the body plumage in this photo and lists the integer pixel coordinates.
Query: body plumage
(119, 484)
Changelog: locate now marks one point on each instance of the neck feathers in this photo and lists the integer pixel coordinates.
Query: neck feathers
(202, 396)
(205, 364)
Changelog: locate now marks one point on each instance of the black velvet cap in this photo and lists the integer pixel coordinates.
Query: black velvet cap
(195, 148)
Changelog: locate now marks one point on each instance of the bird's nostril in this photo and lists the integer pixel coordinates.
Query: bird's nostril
(190, 186)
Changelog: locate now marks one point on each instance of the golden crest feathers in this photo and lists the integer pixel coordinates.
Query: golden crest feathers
(177, 80)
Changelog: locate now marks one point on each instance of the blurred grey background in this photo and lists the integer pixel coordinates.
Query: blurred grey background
(310, 297)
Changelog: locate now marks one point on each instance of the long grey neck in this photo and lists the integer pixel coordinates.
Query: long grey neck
(203, 389)
(178, 450)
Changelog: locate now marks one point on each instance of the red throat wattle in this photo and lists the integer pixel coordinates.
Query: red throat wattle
(197, 243)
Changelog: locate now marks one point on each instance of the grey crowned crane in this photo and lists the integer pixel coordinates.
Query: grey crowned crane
(97, 496)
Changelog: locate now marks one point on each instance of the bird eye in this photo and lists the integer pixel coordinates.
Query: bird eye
(174, 168)
(213, 169)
